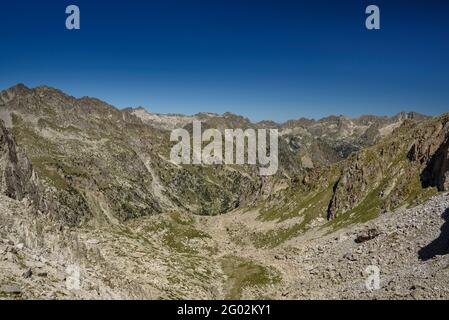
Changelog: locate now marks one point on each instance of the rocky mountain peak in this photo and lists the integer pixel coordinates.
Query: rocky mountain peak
(17, 90)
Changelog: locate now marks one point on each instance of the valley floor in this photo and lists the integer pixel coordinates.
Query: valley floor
(180, 256)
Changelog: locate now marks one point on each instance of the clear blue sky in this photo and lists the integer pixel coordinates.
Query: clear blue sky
(262, 59)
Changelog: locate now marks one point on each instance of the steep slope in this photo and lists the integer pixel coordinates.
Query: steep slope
(402, 170)
(104, 164)
(393, 173)
(17, 177)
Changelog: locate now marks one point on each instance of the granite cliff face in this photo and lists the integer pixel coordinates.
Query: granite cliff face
(101, 163)
(410, 164)
(82, 183)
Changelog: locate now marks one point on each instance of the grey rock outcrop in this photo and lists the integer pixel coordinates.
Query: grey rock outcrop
(431, 149)
(17, 177)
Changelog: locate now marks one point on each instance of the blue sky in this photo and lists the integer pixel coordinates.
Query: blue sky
(263, 59)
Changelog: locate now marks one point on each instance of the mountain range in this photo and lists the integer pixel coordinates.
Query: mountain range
(85, 184)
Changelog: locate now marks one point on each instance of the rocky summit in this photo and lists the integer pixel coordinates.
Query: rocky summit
(92, 207)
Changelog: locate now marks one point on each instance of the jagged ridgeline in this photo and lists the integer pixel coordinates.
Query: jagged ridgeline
(403, 169)
(83, 160)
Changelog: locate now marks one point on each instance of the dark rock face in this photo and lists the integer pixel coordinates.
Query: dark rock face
(18, 179)
(332, 208)
(436, 173)
(432, 151)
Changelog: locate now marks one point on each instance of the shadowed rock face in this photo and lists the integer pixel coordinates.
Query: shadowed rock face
(98, 161)
(82, 160)
(18, 179)
(436, 173)
(431, 149)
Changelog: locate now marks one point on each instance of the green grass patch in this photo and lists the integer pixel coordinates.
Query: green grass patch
(244, 273)
(308, 206)
(176, 232)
